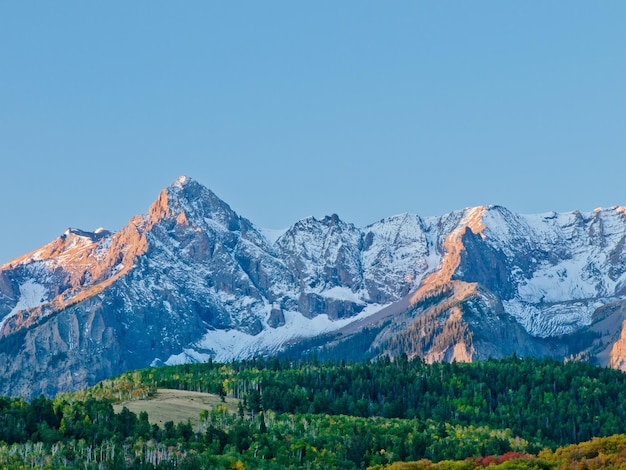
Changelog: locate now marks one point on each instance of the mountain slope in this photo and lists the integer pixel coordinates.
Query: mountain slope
(192, 280)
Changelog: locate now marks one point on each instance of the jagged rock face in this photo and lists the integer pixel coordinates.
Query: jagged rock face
(192, 280)
(551, 271)
(396, 254)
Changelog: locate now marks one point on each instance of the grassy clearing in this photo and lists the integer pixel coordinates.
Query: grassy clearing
(176, 405)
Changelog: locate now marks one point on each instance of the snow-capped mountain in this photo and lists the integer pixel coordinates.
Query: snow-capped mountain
(192, 280)
(560, 267)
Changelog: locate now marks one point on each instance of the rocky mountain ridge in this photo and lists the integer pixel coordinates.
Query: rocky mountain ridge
(192, 280)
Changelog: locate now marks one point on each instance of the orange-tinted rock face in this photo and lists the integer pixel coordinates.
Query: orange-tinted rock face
(83, 264)
(452, 248)
(160, 208)
(79, 265)
(617, 358)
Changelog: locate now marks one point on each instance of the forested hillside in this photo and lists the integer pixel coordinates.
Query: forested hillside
(545, 400)
(330, 415)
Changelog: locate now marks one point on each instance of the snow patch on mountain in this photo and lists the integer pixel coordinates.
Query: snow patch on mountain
(228, 345)
(181, 181)
(32, 295)
(341, 293)
(561, 282)
(544, 321)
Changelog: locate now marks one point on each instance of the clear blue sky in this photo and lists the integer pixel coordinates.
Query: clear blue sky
(290, 109)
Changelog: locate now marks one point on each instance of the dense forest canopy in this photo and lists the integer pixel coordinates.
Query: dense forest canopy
(546, 400)
(325, 415)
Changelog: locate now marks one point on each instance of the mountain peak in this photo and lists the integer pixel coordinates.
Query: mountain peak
(181, 181)
(332, 220)
(189, 201)
(187, 188)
